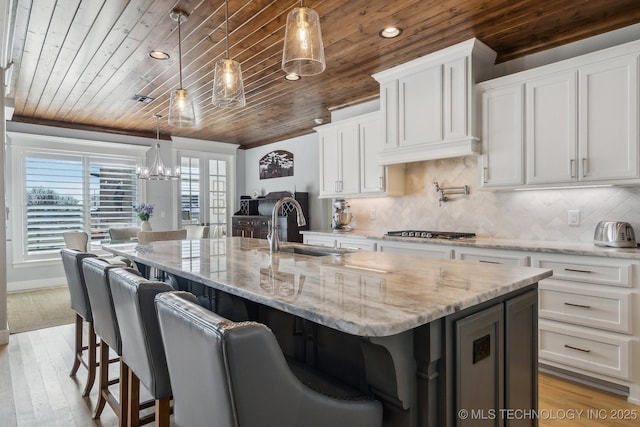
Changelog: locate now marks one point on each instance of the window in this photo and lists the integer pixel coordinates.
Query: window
(204, 192)
(70, 191)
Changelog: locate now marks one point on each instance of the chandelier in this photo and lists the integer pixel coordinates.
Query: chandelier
(158, 171)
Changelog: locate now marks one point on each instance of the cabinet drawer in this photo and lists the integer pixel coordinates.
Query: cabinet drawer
(363, 244)
(603, 309)
(490, 257)
(592, 351)
(416, 249)
(319, 241)
(603, 271)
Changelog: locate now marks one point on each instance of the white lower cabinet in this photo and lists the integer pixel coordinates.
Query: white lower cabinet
(492, 256)
(319, 240)
(589, 318)
(436, 251)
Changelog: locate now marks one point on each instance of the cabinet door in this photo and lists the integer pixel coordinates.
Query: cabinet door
(609, 119)
(456, 111)
(389, 109)
(502, 136)
(435, 251)
(552, 137)
(479, 360)
(349, 172)
(521, 357)
(420, 99)
(329, 162)
(371, 173)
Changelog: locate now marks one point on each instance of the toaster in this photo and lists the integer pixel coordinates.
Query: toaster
(615, 234)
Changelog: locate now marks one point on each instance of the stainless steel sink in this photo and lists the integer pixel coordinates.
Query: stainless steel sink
(311, 250)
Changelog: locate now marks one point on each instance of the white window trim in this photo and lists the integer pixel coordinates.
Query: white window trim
(231, 179)
(23, 143)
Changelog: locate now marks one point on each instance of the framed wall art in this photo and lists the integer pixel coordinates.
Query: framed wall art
(276, 164)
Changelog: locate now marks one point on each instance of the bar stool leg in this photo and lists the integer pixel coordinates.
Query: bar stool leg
(163, 412)
(124, 395)
(133, 413)
(78, 346)
(103, 379)
(92, 363)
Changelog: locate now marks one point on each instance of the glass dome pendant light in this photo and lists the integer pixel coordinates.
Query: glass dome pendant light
(181, 110)
(303, 52)
(158, 171)
(228, 88)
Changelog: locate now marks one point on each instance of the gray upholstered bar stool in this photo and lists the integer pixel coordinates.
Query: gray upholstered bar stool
(106, 327)
(236, 374)
(142, 350)
(72, 262)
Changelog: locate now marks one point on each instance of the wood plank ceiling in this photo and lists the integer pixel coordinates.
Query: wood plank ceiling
(79, 63)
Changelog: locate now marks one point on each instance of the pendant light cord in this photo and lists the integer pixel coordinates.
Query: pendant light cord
(180, 50)
(226, 25)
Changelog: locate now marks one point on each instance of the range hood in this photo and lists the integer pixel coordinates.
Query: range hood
(429, 104)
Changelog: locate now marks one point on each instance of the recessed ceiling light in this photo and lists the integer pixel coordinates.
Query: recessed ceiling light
(156, 54)
(292, 77)
(390, 32)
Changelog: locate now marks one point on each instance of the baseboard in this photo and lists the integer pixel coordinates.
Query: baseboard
(4, 336)
(29, 285)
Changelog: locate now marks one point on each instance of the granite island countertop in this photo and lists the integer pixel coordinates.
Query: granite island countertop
(360, 293)
(541, 246)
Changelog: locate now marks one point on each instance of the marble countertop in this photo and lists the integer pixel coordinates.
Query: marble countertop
(569, 248)
(360, 293)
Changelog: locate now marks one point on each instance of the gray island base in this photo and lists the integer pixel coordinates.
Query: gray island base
(438, 342)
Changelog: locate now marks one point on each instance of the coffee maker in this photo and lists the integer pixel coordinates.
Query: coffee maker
(341, 215)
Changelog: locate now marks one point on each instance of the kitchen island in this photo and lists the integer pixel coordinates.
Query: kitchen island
(420, 333)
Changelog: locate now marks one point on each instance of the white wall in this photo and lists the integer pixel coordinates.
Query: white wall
(305, 175)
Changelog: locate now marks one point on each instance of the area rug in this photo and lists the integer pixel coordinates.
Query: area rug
(38, 309)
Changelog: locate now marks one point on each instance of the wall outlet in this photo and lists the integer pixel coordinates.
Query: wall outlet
(574, 217)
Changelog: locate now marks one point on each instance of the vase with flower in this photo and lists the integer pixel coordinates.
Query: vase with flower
(144, 211)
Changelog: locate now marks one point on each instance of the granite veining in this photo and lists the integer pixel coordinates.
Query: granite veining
(361, 293)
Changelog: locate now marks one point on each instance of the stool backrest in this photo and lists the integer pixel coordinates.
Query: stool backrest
(155, 236)
(72, 263)
(76, 240)
(197, 231)
(142, 349)
(105, 322)
(123, 233)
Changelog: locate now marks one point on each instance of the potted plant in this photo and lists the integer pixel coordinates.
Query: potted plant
(144, 211)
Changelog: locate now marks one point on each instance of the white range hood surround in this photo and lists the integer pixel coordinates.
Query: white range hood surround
(429, 105)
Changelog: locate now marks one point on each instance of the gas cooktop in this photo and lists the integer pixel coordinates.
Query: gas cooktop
(449, 235)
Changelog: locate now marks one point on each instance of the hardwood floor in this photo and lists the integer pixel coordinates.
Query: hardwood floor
(36, 390)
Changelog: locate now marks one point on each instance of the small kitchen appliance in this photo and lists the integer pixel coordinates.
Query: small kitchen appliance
(341, 215)
(615, 234)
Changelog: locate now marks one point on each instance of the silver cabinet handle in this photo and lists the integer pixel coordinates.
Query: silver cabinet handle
(382, 183)
(584, 167)
(577, 348)
(577, 305)
(572, 168)
(573, 270)
(335, 186)
(341, 186)
(489, 262)
(485, 178)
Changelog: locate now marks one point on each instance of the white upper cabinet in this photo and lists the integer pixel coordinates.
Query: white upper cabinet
(339, 160)
(350, 160)
(608, 129)
(552, 131)
(427, 104)
(580, 122)
(502, 137)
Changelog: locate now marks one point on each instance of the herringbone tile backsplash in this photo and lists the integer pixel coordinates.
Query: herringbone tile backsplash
(530, 215)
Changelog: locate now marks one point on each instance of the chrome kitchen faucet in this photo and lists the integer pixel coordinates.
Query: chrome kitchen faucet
(272, 235)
